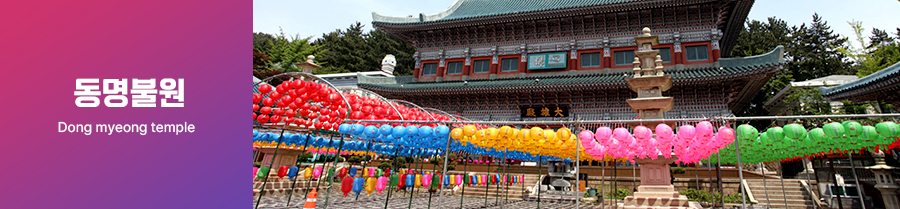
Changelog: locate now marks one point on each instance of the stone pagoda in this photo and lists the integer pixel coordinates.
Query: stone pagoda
(649, 81)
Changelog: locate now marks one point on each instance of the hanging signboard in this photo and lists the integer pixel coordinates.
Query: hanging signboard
(544, 111)
(547, 61)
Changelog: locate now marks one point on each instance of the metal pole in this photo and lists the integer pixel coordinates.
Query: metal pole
(391, 186)
(834, 180)
(418, 154)
(428, 189)
(318, 180)
(709, 171)
(291, 193)
(334, 165)
(697, 176)
(540, 180)
(487, 183)
(615, 188)
(262, 190)
(719, 178)
(740, 174)
(862, 198)
(446, 175)
(462, 194)
(809, 180)
(577, 174)
(782, 187)
(603, 183)
(766, 188)
(365, 161)
(499, 182)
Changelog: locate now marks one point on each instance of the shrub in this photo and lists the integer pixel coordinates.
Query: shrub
(697, 195)
(678, 170)
(451, 167)
(257, 164)
(341, 159)
(384, 165)
(355, 159)
(619, 194)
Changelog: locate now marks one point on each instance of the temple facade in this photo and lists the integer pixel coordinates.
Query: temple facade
(494, 60)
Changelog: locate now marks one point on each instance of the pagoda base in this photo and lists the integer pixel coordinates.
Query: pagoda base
(656, 190)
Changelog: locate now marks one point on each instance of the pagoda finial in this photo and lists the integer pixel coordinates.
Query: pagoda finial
(646, 31)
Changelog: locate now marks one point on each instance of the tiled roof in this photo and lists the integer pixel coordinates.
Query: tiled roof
(482, 8)
(870, 82)
(729, 68)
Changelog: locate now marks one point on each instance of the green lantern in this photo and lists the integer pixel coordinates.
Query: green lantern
(834, 130)
(887, 129)
(775, 133)
(379, 172)
(868, 136)
(395, 179)
(764, 140)
(852, 128)
(466, 179)
(818, 135)
(330, 173)
(808, 141)
(794, 131)
(263, 171)
(747, 132)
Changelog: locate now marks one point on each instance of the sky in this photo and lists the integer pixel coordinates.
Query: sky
(313, 18)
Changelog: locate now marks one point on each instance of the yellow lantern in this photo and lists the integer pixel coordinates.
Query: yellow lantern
(456, 133)
(469, 130)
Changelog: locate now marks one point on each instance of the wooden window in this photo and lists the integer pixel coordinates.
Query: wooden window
(624, 57)
(429, 69)
(481, 66)
(454, 68)
(695, 53)
(591, 59)
(509, 65)
(666, 54)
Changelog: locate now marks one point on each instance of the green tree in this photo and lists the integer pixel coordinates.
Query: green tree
(353, 50)
(815, 53)
(757, 38)
(279, 53)
(808, 101)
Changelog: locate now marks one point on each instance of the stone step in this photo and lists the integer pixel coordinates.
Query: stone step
(778, 188)
(779, 196)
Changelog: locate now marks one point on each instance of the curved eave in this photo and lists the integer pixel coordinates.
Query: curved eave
(886, 77)
(431, 22)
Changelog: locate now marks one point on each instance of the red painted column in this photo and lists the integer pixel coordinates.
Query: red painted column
(494, 68)
(573, 64)
(716, 53)
(440, 71)
(467, 70)
(606, 62)
(678, 54)
(523, 66)
(416, 72)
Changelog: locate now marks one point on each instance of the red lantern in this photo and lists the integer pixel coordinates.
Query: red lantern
(275, 119)
(254, 116)
(278, 111)
(292, 106)
(302, 112)
(282, 171)
(305, 106)
(268, 102)
(312, 115)
(299, 122)
(264, 88)
(287, 99)
(299, 101)
(315, 108)
(356, 115)
(342, 112)
(275, 95)
(262, 118)
(334, 97)
(325, 111)
(287, 85)
(255, 107)
(257, 98)
(265, 110)
(280, 89)
(288, 120)
(308, 123)
(298, 84)
(326, 125)
(290, 112)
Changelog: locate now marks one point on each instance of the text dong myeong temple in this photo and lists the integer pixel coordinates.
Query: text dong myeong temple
(558, 60)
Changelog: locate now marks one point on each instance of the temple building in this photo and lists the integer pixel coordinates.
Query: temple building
(882, 86)
(500, 60)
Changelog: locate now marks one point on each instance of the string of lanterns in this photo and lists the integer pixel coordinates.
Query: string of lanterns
(793, 141)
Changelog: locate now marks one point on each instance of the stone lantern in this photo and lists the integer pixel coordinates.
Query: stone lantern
(309, 66)
(884, 182)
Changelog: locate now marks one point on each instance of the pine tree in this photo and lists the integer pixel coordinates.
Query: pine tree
(757, 38)
(351, 50)
(815, 53)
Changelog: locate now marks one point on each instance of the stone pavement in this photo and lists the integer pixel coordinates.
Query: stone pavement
(419, 200)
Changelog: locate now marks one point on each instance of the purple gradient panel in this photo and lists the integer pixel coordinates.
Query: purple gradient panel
(46, 45)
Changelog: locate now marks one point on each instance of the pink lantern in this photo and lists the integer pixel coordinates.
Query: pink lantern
(686, 132)
(705, 129)
(622, 135)
(317, 172)
(382, 182)
(642, 133)
(725, 135)
(255, 171)
(426, 180)
(664, 133)
(585, 136)
(459, 180)
(603, 134)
